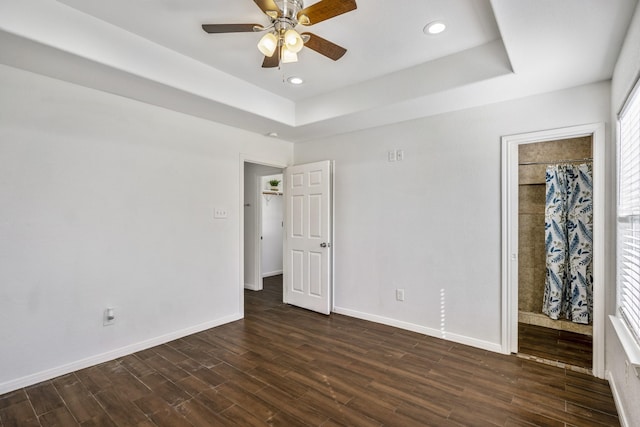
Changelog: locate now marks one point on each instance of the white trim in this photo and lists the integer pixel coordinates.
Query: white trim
(622, 415)
(111, 355)
(437, 333)
(332, 200)
(509, 272)
(257, 241)
(628, 342)
(625, 319)
(272, 273)
(509, 268)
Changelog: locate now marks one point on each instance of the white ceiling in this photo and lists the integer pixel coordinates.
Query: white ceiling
(156, 51)
(377, 43)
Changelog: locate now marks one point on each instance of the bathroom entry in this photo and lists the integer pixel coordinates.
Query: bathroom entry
(554, 298)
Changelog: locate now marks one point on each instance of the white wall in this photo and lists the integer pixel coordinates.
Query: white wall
(272, 216)
(106, 201)
(626, 388)
(252, 181)
(430, 224)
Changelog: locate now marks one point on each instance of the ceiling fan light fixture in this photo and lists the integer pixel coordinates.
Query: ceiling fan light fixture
(268, 44)
(293, 41)
(288, 56)
(280, 42)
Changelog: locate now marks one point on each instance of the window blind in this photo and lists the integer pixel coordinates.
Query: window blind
(628, 217)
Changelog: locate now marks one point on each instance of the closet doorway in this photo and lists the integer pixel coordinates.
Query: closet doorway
(263, 217)
(527, 324)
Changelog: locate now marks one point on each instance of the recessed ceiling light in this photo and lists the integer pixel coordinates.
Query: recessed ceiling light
(295, 80)
(273, 134)
(435, 27)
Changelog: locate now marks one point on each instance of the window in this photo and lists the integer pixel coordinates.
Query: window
(628, 224)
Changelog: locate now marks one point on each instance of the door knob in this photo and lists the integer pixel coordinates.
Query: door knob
(325, 245)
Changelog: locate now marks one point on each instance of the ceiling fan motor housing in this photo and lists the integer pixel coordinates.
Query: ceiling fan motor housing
(290, 9)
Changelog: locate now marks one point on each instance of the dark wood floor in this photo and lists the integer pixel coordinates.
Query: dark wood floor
(283, 366)
(556, 346)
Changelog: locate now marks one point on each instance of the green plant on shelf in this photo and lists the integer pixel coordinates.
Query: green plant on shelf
(274, 183)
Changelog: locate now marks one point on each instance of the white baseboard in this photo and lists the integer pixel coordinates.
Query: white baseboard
(110, 355)
(251, 287)
(622, 416)
(460, 339)
(272, 273)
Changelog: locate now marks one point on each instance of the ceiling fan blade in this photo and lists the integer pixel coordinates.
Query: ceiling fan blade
(271, 61)
(268, 6)
(324, 47)
(229, 28)
(326, 9)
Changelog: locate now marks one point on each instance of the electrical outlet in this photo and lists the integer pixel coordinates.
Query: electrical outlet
(400, 294)
(399, 155)
(109, 316)
(220, 213)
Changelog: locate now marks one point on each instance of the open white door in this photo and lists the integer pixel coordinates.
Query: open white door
(307, 244)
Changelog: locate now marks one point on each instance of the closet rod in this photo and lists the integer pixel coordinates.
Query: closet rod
(588, 159)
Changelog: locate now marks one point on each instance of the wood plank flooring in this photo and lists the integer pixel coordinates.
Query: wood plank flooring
(554, 345)
(283, 366)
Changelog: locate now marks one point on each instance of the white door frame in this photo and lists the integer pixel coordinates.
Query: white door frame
(259, 161)
(509, 272)
(257, 241)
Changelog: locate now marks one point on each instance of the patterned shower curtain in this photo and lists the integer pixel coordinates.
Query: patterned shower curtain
(568, 240)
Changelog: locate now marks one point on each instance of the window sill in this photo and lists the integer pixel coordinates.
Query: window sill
(629, 344)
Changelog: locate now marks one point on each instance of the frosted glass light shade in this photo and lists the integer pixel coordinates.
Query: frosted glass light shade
(288, 56)
(268, 44)
(293, 41)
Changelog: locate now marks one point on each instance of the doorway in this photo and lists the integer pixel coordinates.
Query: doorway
(511, 231)
(307, 267)
(546, 336)
(262, 206)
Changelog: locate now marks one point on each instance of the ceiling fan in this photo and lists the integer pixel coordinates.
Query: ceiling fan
(281, 42)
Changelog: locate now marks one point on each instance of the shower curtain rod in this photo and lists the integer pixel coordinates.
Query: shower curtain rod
(587, 159)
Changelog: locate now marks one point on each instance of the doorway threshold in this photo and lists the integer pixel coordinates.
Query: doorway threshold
(556, 363)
